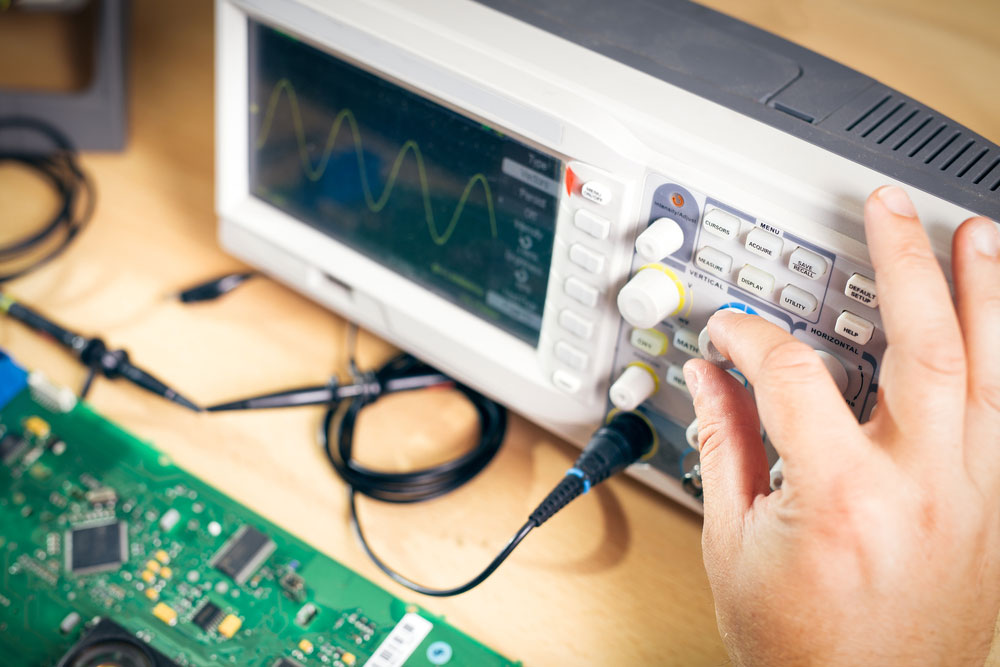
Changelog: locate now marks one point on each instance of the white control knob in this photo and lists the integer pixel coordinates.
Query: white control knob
(649, 297)
(836, 369)
(632, 387)
(663, 237)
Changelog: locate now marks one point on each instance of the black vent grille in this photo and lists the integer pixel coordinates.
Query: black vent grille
(915, 132)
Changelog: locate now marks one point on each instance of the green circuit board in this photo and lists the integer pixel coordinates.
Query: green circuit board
(96, 524)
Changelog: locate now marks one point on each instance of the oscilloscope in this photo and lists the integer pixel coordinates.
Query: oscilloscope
(548, 199)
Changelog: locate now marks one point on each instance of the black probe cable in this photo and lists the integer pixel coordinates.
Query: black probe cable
(622, 441)
(72, 185)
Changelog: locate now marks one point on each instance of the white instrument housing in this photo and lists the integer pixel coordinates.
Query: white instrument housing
(785, 240)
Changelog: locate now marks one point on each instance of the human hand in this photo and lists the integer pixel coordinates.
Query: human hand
(882, 546)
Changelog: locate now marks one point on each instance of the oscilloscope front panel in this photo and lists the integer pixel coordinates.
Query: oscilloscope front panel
(471, 187)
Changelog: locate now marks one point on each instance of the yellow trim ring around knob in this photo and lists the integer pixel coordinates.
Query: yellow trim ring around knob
(681, 288)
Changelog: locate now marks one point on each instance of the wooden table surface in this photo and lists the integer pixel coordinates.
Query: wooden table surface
(617, 577)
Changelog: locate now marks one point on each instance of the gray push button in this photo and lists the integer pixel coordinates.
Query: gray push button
(862, 290)
(807, 263)
(764, 244)
(797, 300)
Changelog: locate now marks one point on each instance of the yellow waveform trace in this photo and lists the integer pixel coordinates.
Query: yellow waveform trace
(314, 172)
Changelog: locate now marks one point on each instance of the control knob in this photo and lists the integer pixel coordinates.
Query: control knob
(652, 294)
(632, 388)
(663, 237)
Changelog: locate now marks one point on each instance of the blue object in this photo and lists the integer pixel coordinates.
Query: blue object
(439, 653)
(736, 305)
(13, 379)
(576, 472)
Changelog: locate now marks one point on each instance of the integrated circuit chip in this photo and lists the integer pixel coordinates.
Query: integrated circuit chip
(286, 662)
(96, 548)
(243, 553)
(207, 616)
(11, 446)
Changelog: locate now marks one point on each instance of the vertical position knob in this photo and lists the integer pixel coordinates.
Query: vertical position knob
(632, 388)
(836, 369)
(663, 237)
(652, 294)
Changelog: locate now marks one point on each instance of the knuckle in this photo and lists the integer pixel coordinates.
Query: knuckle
(946, 360)
(987, 395)
(790, 359)
(908, 256)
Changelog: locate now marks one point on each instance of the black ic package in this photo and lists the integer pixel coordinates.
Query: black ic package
(243, 553)
(96, 548)
(11, 446)
(286, 662)
(207, 616)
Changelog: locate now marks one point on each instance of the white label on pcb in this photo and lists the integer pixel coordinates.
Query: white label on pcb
(401, 642)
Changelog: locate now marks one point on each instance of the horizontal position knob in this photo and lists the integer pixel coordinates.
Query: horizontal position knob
(632, 388)
(836, 368)
(653, 293)
(663, 237)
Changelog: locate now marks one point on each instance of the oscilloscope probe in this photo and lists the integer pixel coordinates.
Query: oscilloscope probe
(625, 439)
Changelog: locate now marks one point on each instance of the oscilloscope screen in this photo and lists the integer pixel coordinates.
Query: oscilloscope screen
(437, 197)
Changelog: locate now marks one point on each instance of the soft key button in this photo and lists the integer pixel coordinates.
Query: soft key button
(714, 260)
(566, 381)
(764, 244)
(862, 290)
(597, 192)
(650, 341)
(571, 356)
(581, 291)
(594, 225)
(797, 300)
(721, 224)
(686, 340)
(807, 263)
(755, 280)
(576, 324)
(854, 327)
(591, 260)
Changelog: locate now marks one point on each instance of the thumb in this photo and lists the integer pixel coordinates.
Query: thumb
(734, 466)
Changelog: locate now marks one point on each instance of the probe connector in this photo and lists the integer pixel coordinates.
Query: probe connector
(615, 446)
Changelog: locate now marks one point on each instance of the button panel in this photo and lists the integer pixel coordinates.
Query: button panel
(729, 258)
(854, 327)
(862, 290)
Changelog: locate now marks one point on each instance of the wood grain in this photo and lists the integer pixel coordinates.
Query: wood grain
(617, 577)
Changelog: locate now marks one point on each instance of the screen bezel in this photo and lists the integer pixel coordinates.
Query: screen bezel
(251, 19)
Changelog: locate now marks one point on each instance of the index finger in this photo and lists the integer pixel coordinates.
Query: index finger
(798, 402)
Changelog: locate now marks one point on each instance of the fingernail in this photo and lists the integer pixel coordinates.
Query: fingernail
(986, 238)
(897, 201)
(691, 380)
